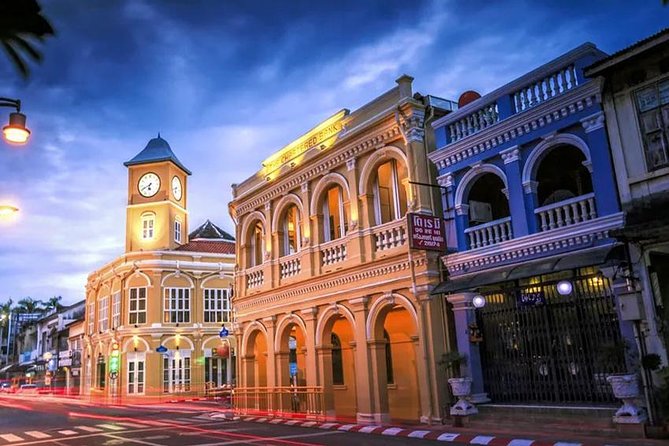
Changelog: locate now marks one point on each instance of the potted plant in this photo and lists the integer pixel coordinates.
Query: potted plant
(460, 386)
(625, 385)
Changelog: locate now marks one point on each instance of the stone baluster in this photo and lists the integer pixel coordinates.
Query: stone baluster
(591, 203)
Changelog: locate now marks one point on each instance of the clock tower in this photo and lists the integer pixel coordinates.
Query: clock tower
(157, 215)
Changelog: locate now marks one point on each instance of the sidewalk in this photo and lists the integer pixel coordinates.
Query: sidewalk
(463, 435)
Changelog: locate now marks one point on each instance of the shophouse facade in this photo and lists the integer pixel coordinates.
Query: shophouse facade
(70, 360)
(636, 107)
(331, 302)
(530, 194)
(157, 316)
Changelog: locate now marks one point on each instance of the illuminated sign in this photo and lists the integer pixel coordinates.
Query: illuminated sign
(426, 232)
(319, 136)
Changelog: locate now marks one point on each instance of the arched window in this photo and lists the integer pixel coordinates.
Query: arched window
(335, 214)
(256, 251)
(337, 362)
(562, 176)
(390, 197)
(486, 200)
(291, 231)
(148, 225)
(390, 378)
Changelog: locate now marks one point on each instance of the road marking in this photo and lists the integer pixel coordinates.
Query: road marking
(451, 437)
(68, 432)
(129, 424)
(347, 427)
(88, 428)
(482, 439)
(112, 427)
(520, 442)
(368, 429)
(37, 434)
(11, 438)
(392, 431)
(265, 439)
(418, 434)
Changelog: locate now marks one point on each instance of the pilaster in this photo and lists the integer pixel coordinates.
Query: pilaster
(511, 158)
(603, 180)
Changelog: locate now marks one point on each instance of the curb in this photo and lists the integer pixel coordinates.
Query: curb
(426, 434)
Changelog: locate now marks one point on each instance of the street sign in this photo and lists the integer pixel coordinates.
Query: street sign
(426, 232)
(293, 369)
(224, 332)
(113, 375)
(161, 349)
(529, 298)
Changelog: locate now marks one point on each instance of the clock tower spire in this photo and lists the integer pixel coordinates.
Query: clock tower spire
(157, 215)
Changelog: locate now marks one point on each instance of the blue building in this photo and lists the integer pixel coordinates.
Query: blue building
(530, 198)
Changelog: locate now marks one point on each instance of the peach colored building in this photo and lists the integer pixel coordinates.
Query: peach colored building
(329, 297)
(154, 314)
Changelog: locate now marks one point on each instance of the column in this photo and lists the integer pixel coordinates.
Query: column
(306, 260)
(463, 312)
(270, 324)
(324, 353)
(309, 316)
(603, 180)
(514, 192)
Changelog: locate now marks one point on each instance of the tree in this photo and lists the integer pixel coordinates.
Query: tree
(21, 23)
(6, 311)
(29, 305)
(54, 303)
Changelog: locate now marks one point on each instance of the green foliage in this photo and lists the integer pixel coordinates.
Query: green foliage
(453, 362)
(651, 361)
(662, 392)
(21, 24)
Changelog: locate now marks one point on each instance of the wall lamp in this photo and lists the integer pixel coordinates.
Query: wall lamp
(16, 131)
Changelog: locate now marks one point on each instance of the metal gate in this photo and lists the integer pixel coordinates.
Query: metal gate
(540, 346)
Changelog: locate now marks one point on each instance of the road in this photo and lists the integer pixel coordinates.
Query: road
(43, 420)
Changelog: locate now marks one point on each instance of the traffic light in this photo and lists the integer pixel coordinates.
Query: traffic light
(114, 359)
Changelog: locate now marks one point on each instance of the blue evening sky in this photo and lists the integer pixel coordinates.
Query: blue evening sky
(227, 83)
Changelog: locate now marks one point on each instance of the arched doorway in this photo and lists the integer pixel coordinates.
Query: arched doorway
(395, 342)
(290, 354)
(336, 363)
(489, 216)
(255, 359)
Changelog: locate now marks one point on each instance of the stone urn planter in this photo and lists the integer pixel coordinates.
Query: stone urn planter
(462, 389)
(626, 388)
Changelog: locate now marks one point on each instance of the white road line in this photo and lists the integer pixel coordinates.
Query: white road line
(520, 442)
(418, 434)
(37, 434)
(88, 428)
(482, 439)
(392, 431)
(129, 424)
(112, 427)
(449, 437)
(11, 438)
(346, 427)
(68, 432)
(368, 429)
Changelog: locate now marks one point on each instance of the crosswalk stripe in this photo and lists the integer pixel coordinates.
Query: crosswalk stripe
(11, 437)
(88, 428)
(112, 427)
(37, 434)
(129, 424)
(68, 432)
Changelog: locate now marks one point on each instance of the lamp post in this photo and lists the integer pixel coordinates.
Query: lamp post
(16, 131)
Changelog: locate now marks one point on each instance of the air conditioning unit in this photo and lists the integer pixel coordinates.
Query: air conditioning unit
(480, 212)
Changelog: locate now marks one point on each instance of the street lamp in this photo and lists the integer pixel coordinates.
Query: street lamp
(15, 132)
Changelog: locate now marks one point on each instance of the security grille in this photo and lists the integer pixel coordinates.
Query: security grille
(543, 347)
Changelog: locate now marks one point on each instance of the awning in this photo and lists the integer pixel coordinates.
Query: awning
(592, 257)
(16, 368)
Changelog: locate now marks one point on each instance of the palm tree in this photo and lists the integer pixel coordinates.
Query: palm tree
(29, 305)
(53, 303)
(5, 313)
(20, 22)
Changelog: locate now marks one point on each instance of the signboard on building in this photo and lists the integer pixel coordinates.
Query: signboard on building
(528, 298)
(161, 349)
(426, 232)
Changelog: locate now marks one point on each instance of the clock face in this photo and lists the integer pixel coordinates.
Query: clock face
(176, 188)
(149, 184)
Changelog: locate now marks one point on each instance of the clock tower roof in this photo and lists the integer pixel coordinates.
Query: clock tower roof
(155, 151)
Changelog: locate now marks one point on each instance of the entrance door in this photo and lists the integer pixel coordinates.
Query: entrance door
(176, 371)
(540, 346)
(135, 373)
(216, 371)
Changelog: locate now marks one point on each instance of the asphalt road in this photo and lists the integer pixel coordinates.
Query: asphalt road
(41, 420)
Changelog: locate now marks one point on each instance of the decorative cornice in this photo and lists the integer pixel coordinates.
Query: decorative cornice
(541, 243)
(510, 155)
(383, 135)
(593, 122)
(518, 125)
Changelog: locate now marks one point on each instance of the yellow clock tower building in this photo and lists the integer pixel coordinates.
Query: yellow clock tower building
(158, 317)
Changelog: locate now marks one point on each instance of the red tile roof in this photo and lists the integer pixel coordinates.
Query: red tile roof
(216, 247)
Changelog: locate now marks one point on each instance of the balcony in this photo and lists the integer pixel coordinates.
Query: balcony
(290, 266)
(255, 277)
(389, 235)
(566, 212)
(490, 233)
(333, 252)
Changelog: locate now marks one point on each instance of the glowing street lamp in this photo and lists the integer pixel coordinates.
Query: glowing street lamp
(7, 210)
(16, 131)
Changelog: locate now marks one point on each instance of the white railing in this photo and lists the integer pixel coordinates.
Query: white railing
(567, 212)
(290, 266)
(333, 252)
(255, 277)
(390, 235)
(474, 122)
(490, 233)
(544, 89)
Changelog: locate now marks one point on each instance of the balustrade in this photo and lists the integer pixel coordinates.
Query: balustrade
(290, 266)
(489, 233)
(474, 122)
(333, 252)
(544, 89)
(255, 277)
(390, 235)
(567, 212)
